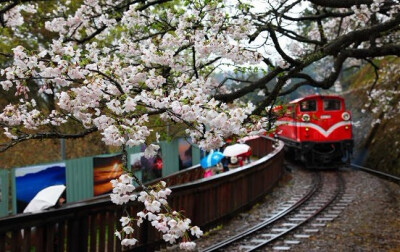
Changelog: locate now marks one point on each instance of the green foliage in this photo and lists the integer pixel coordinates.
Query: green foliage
(366, 75)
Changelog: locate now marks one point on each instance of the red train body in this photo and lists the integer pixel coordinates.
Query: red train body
(317, 130)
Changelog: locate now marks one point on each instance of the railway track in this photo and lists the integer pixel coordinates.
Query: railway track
(296, 218)
(380, 174)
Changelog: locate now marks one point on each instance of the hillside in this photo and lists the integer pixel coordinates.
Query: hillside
(377, 137)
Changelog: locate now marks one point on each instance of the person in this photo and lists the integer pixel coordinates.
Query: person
(304, 106)
(62, 200)
(240, 161)
(181, 167)
(208, 173)
(247, 156)
(218, 168)
(157, 166)
(233, 163)
(225, 164)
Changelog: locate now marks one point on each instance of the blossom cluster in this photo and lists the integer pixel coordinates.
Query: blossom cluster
(115, 92)
(383, 101)
(356, 17)
(172, 224)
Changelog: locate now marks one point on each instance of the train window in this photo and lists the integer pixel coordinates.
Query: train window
(310, 105)
(331, 104)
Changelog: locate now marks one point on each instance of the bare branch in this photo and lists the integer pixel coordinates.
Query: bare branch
(279, 49)
(47, 135)
(376, 68)
(340, 3)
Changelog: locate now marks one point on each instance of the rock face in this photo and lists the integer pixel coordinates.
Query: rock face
(355, 100)
(376, 146)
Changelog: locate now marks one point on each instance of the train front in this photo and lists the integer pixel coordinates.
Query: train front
(324, 131)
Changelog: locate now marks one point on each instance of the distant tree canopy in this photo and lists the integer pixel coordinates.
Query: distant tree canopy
(111, 66)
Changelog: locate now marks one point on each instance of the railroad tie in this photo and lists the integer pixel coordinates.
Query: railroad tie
(258, 241)
(297, 219)
(279, 230)
(324, 219)
(331, 215)
(307, 212)
(338, 208)
(291, 241)
(246, 247)
(318, 224)
(301, 236)
(289, 224)
(311, 230)
(302, 215)
(281, 248)
(269, 235)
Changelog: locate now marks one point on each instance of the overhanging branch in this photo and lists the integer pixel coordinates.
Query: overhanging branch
(46, 135)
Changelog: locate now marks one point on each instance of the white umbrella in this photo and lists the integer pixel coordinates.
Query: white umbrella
(46, 198)
(236, 149)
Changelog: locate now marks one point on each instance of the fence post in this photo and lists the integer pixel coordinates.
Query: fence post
(169, 153)
(130, 151)
(79, 178)
(4, 184)
(195, 155)
(13, 192)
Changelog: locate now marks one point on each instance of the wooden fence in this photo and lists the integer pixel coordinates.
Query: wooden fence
(90, 225)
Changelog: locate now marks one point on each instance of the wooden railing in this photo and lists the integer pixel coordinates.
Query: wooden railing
(90, 225)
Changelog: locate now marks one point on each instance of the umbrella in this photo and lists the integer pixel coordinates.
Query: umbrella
(46, 198)
(236, 149)
(212, 159)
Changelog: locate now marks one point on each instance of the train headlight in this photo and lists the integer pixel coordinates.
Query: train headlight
(346, 116)
(306, 118)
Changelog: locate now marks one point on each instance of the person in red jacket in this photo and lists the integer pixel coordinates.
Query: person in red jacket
(157, 166)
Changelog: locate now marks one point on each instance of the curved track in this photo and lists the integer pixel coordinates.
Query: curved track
(326, 188)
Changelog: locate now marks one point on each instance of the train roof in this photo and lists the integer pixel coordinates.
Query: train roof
(315, 96)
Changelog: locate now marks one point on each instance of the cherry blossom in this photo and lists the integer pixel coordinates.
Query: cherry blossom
(172, 224)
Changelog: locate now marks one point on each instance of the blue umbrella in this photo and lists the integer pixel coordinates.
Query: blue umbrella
(212, 159)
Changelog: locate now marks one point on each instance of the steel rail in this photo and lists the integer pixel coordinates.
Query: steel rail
(276, 217)
(338, 192)
(378, 173)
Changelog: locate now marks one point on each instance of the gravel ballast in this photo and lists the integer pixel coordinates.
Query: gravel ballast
(371, 222)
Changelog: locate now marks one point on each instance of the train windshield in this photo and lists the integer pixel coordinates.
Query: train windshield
(309, 105)
(331, 104)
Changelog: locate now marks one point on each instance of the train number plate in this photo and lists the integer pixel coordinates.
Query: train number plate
(326, 117)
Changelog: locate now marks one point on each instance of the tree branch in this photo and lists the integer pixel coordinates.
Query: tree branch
(376, 68)
(340, 3)
(47, 135)
(250, 88)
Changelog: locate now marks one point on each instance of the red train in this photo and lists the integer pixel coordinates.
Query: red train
(317, 130)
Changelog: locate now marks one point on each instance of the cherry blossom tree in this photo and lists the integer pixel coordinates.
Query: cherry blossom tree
(114, 64)
(111, 66)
